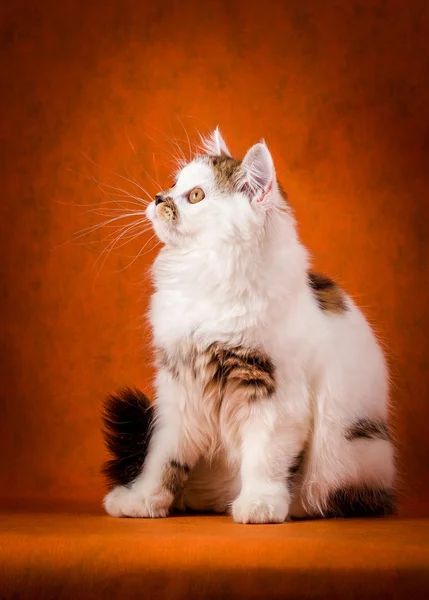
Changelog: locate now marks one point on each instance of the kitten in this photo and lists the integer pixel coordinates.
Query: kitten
(272, 391)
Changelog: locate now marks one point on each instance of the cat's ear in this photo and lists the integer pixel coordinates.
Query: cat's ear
(257, 173)
(214, 144)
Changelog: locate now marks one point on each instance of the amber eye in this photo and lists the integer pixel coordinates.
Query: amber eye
(196, 195)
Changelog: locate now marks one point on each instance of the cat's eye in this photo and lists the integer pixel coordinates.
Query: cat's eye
(196, 195)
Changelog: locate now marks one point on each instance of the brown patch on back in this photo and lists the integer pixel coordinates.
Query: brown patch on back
(330, 297)
(368, 429)
(248, 372)
(225, 169)
(174, 477)
(168, 210)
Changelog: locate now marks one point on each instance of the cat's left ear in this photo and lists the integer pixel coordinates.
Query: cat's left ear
(215, 145)
(257, 173)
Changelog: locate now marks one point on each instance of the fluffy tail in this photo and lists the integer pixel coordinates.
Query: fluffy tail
(128, 419)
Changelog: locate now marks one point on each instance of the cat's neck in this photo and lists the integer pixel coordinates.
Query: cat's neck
(234, 293)
(269, 266)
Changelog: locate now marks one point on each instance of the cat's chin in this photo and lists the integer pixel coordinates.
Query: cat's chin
(168, 235)
(164, 232)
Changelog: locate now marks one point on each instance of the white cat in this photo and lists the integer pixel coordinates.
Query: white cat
(272, 391)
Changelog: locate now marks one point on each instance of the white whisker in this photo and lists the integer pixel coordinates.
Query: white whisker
(127, 236)
(156, 170)
(140, 252)
(126, 192)
(175, 144)
(187, 137)
(175, 158)
(113, 234)
(139, 163)
(93, 228)
(113, 172)
(106, 252)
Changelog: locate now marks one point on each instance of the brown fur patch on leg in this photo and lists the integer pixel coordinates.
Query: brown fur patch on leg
(174, 477)
(368, 429)
(250, 372)
(360, 501)
(330, 297)
(295, 469)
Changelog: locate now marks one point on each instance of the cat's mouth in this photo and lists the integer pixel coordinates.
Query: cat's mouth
(167, 211)
(165, 218)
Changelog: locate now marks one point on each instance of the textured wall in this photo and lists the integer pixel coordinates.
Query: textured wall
(340, 92)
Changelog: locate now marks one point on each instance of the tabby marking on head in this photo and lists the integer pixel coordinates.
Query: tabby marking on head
(225, 169)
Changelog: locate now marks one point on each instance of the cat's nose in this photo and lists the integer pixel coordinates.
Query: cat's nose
(158, 199)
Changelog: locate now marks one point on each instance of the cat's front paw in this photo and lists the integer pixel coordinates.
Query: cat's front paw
(127, 502)
(254, 508)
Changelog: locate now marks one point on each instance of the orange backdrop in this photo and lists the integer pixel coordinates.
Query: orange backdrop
(340, 92)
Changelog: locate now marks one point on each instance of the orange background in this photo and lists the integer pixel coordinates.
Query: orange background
(340, 92)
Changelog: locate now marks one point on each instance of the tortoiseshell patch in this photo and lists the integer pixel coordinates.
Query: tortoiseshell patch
(223, 369)
(360, 501)
(225, 169)
(295, 469)
(328, 294)
(174, 477)
(248, 371)
(368, 429)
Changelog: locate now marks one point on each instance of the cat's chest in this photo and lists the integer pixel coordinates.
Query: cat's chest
(175, 316)
(178, 315)
(217, 385)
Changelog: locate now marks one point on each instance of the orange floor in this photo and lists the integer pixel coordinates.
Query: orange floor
(89, 555)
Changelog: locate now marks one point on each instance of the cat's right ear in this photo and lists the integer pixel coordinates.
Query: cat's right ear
(257, 174)
(214, 144)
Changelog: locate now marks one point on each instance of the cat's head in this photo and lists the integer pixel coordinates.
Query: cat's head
(217, 198)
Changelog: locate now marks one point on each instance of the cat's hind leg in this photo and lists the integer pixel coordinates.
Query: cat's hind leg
(350, 469)
(163, 455)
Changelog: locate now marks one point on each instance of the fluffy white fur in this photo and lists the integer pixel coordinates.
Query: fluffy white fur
(233, 270)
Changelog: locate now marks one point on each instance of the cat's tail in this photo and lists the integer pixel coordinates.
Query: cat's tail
(128, 420)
